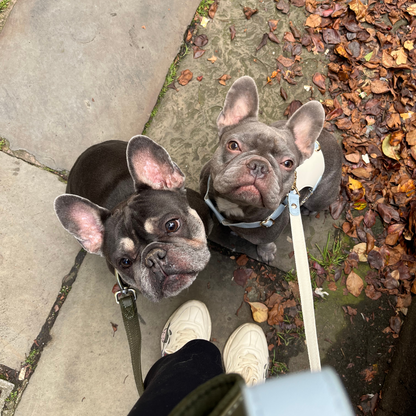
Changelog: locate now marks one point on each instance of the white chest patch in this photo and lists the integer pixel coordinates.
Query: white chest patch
(229, 208)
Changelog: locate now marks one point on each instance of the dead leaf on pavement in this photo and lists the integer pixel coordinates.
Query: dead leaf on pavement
(185, 77)
(232, 31)
(241, 276)
(259, 311)
(249, 12)
(224, 78)
(273, 25)
(276, 315)
(212, 59)
(355, 284)
(213, 9)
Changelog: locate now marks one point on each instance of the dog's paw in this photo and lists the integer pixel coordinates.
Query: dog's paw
(266, 252)
(306, 212)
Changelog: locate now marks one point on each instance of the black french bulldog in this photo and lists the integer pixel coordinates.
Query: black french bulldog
(127, 202)
(253, 168)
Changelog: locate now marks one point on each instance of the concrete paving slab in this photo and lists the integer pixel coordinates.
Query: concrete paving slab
(86, 370)
(35, 254)
(76, 76)
(186, 120)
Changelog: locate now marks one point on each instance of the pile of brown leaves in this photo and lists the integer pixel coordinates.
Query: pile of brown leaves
(372, 83)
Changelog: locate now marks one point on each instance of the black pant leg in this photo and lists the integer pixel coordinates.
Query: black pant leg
(173, 377)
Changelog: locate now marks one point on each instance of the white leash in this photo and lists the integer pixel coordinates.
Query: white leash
(304, 280)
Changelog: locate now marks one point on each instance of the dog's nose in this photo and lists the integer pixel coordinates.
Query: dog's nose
(257, 168)
(154, 256)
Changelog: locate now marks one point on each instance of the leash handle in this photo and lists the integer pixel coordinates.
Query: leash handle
(304, 280)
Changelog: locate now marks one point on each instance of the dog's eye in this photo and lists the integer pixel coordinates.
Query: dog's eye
(172, 226)
(233, 146)
(287, 164)
(125, 263)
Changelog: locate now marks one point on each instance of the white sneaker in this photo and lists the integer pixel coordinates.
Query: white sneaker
(246, 353)
(190, 321)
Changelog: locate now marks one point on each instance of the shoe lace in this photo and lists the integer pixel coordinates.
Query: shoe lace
(182, 337)
(247, 367)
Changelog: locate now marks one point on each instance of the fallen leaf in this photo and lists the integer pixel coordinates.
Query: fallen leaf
(201, 40)
(198, 52)
(379, 87)
(273, 25)
(263, 41)
(273, 37)
(313, 20)
(354, 284)
(259, 311)
(232, 31)
(389, 150)
(276, 315)
(332, 286)
(412, 10)
(387, 213)
(249, 12)
(273, 299)
(400, 56)
(185, 77)
(213, 9)
(371, 293)
(395, 324)
(286, 62)
(212, 59)
(199, 78)
(241, 276)
(242, 260)
(224, 78)
(359, 9)
(361, 250)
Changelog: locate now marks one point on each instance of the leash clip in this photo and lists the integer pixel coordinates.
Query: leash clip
(124, 290)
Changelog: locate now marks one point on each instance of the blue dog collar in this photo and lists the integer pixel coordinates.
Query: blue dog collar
(307, 175)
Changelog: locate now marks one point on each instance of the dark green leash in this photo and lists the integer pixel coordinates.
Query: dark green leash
(126, 298)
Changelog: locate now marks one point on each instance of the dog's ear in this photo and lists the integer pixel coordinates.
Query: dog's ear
(306, 125)
(242, 101)
(83, 219)
(151, 165)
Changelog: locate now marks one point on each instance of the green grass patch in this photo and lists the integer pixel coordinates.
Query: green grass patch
(332, 256)
(203, 7)
(3, 5)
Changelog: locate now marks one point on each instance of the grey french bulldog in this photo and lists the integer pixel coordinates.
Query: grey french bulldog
(253, 169)
(127, 202)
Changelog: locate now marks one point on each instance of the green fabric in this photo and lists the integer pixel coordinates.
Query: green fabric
(220, 396)
(132, 325)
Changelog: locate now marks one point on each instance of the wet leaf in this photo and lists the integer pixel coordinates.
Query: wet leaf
(379, 87)
(185, 77)
(259, 311)
(359, 9)
(295, 30)
(371, 293)
(213, 9)
(387, 213)
(389, 150)
(395, 324)
(283, 93)
(360, 249)
(286, 62)
(263, 41)
(241, 276)
(273, 37)
(283, 6)
(369, 218)
(232, 32)
(331, 36)
(375, 260)
(354, 284)
(201, 40)
(319, 80)
(249, 12)
(223, 79)
(198, 52)
(273, 25)
(242, 260)
(276, 315)
(313, 20)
